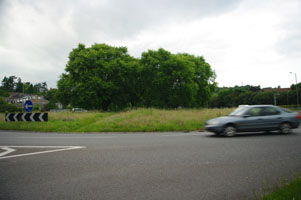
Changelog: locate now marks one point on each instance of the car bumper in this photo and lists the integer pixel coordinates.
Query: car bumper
(214, 129)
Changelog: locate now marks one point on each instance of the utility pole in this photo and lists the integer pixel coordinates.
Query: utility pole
(23, 97)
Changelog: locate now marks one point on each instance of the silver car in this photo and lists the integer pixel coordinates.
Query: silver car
(254, 118)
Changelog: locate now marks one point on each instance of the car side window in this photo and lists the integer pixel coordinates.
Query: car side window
(255, 112)
(270, 111)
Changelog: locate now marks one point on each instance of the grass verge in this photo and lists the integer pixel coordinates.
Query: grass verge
(136, 120)
(290, 191)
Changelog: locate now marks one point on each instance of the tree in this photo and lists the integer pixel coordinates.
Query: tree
(19, 86)
(40, 88)
(9, 84)
(98, 77)
(204, 77)
(105, 77)
(51, 96)
(3, 93)
(175, 80)
(250, 95)
(6, 107)
(30, 89)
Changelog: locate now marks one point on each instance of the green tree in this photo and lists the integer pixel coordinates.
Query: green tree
(99, 77)
(40, 88)
(3, 93)
(204, 77)
(51, 96)
(19, 86)
(30, 89)
(6, 107)
(9, 84)
(175, 80)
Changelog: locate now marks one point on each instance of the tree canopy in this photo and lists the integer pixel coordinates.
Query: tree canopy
(99, 77)
(10, 85)
(175, 80)
(106, 77)
(252, 95)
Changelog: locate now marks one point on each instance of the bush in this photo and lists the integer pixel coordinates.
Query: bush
(36, 107)
(4, 93)
(6, 107)
(50, 105)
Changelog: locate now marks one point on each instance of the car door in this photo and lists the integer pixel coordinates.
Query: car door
(253, 120)
(271, 118)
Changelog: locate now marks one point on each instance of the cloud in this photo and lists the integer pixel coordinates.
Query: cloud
(237, 37)
(36, 36)
(120, 20)
(290, 43)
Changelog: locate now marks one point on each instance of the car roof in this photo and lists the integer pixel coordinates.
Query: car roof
(257, 106)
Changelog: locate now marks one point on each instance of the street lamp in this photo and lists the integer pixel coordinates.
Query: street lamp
(296, 88)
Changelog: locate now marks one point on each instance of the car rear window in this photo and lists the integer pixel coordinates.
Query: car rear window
(270, 111)
(285, 110)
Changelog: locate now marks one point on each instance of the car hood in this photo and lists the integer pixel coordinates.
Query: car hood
(224, 119)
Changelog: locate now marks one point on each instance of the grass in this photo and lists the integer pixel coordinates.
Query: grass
(289, 191)
(136, 120)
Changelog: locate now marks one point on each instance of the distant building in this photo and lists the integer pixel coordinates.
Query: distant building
(276, 89)
(19, 99)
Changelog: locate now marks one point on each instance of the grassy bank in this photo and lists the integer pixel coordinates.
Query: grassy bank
(289, 191)
(135, 120)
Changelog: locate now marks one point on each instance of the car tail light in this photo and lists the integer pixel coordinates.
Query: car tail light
(298, 116)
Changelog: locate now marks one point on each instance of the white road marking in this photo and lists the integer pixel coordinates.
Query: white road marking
(63, 137)
(182, 134)
(7, 150)
(61, 148)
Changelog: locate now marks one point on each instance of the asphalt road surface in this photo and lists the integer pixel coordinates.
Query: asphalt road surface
(194, 165)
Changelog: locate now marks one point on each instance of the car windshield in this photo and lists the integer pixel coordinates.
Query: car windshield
(239, 111)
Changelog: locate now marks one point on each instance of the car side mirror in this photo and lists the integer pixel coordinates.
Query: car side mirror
(246, 116)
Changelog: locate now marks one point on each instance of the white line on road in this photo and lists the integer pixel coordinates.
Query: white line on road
(182, 134)
(62, 137)
(62, 148)
(7, 150)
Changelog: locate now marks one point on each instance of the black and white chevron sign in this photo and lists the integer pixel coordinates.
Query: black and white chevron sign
(28, 117)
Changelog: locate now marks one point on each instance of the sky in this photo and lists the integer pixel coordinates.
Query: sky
(246, 42)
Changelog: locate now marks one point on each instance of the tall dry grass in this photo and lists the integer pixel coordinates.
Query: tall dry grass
(142, 119)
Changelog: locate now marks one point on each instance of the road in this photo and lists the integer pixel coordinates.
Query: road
(194, 165)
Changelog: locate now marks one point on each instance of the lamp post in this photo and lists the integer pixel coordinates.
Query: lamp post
(275, 101)
(296, 88)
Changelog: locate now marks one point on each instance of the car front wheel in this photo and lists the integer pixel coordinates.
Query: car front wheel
(285, 128)
(230, 131)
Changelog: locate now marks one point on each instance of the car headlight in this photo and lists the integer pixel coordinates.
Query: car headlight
(213, 123)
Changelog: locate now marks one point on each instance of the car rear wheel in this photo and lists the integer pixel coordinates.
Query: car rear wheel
(230, 131)
(285, 128)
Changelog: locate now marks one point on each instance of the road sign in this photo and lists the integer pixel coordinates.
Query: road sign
(26, 117)
(28, 106)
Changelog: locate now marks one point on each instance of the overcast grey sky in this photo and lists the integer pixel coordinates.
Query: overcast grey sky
(255, 42)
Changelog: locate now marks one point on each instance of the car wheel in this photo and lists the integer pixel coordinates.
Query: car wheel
(230, 131)
(285, 128)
